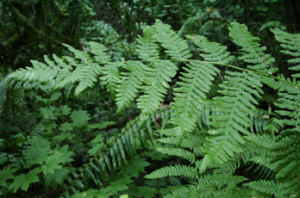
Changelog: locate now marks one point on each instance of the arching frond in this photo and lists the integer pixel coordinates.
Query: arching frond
(177, 170)
(211, 186)
(196, 82)
(176, 47)
(226, 138)
(157, 82)
(253, 52)
(287, 162)
(178, 152)
(147, 48)
(291, 45)
(111, 76)
(264, 186)
(130, 84)
(106, 160)
(190, 95)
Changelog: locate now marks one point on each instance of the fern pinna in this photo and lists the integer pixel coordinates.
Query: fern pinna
(213, 138)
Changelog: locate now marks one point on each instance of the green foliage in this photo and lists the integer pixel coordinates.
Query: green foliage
(206, 142)
(22, 181)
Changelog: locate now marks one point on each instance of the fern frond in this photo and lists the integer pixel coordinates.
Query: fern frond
(74, 73)
(178, 152)
(177, 170)
(264, 186)
(181, 191)
(80, 55)
(111, 157)
(289, 102)
(287, 162)
(190, 141)
(35, 76)
(64, 71)
(212, 51)
(111, 76)
(147, 48)
(190, 96)
(176, 47)
(157, 83)
(257, 151)
(253, 52)
(87, 72)
(226, 138)
(196, 82)
(100, 53)
(88, 77)
(291, 45)
(209, 186)
(227, 168)
(219, 180)
(130, 84)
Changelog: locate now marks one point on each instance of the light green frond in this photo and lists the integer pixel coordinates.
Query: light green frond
(226, 137)
(181, 191)
(196, 82)
(176, 47)
(257, 151)
(130, 84)
(190, 95)
(291, 45)
(219, 180)
(227, 168)
(100, 53)
(88, 77)
(80, 55)
(147, 48)
(264, 186)
(177, 170)
(263, 141)
(212, 51)
(86, 72)
(73, 76)
(111, 76)
(193, 141)
(287, 162)
(178, 152)
(272, 24)
(253, 52)
(40, 75)
(289, 104)
(210, 186)
(157, 83)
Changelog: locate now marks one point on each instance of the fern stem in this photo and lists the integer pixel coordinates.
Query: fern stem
(226, 65)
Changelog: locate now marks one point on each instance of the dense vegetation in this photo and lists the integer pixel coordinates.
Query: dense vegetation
(149, 98)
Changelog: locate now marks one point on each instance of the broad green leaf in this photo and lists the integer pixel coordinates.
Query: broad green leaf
(57, 177)
(6, 174)
(23, 181)
(48, 112)
(80, 118)
(55, 161)
(64, 135)
(36, 155)
(66, 127)
(66, 110)
(103, 125)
